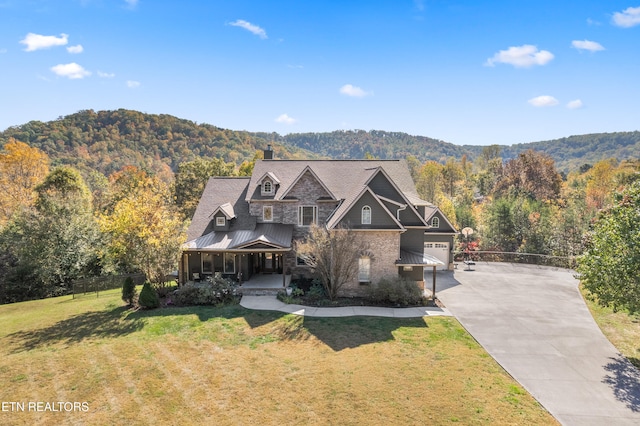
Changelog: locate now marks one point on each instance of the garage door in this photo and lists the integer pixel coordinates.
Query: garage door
(439, 250)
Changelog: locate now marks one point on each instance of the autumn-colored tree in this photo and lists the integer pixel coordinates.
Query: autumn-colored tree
(21, 169)
(600, 184)
(429, 183)
(145, 230)
(531, 174)
(453, 176)
(58, 240)
(191, 179)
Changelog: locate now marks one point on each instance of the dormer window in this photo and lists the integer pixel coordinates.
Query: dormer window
(267, 187)
(366, 215)
(221, 221)
(435, 222)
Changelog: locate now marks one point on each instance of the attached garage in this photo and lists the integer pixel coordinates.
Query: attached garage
(439, 250)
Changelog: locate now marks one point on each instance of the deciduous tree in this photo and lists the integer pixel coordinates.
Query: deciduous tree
(333, 255)
(21, 169)
(610, 266)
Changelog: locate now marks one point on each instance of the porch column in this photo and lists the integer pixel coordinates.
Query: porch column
(433, 291)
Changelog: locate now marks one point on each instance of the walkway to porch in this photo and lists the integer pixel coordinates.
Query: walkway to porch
(266, 282)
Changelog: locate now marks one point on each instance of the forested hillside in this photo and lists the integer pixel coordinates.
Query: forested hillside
(108, 140)
(375, 143)
(574, 151)
(568, 153)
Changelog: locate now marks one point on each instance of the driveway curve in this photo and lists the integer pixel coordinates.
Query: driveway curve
(533, 321)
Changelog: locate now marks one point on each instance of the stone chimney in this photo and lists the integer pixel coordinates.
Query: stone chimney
(268, 153)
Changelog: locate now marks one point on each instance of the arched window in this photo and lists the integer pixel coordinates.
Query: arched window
(366, 215)
(435, 222)
(266, 187)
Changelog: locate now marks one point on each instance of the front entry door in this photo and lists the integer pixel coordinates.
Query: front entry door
(270, 262)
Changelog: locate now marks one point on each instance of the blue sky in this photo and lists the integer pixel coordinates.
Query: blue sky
(467, 72)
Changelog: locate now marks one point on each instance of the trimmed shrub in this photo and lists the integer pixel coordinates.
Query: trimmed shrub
(396, 291)
(148, 298)
(129, 291)
(217, 292)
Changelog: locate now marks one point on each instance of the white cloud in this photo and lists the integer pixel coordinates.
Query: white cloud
(250, 27)
(105, 74)
(523, 56)
(577, 104)
(37, 41)
(353, 91)
(543, 101)
(285, 119)
(72, 71)
(630, 17)
(591, 46)
(132, 84)
(75, 49)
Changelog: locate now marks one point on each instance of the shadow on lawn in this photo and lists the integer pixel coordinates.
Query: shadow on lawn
(624, 379)
(90, 325)
(337, 333)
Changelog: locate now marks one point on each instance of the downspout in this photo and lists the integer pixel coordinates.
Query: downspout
(401, 208)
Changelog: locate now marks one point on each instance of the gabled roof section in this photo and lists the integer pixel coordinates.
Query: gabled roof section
(340, 177)
(346, 206)
(306, 170)
(380, 171)
(432, 211)
(226, 209)
(271, 176)
(218, 192)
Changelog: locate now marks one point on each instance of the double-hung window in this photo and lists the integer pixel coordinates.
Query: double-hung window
(307, 215)
(364, 269)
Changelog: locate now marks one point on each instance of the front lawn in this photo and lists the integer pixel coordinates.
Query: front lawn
(205, 365)
(622, 329)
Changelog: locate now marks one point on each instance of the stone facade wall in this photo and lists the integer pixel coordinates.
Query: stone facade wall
(384, 247)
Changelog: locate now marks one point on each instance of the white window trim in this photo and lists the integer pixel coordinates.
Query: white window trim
(435, 222)
(301, 216)
(364, 262)
(264, 186)
(362, 217)
(264, 210)
(221, 221)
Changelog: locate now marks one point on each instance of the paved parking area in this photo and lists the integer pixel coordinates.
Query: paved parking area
(534, 322)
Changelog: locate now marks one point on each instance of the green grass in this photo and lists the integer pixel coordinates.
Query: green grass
(205, 365)
(622, 329)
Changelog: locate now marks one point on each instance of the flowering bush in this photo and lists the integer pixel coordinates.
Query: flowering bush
(216, 292)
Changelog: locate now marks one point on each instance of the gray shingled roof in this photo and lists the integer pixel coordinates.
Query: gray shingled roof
(218, 192)
(342, 177)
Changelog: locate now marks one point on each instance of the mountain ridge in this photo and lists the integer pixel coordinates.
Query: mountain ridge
(107, 140)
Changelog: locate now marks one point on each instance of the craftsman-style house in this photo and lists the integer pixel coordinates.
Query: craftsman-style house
(248, 225)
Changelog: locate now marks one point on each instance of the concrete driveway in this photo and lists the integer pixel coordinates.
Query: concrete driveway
(533, 321)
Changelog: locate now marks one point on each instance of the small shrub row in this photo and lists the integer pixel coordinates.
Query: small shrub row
(217, 292)
(396, 291)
